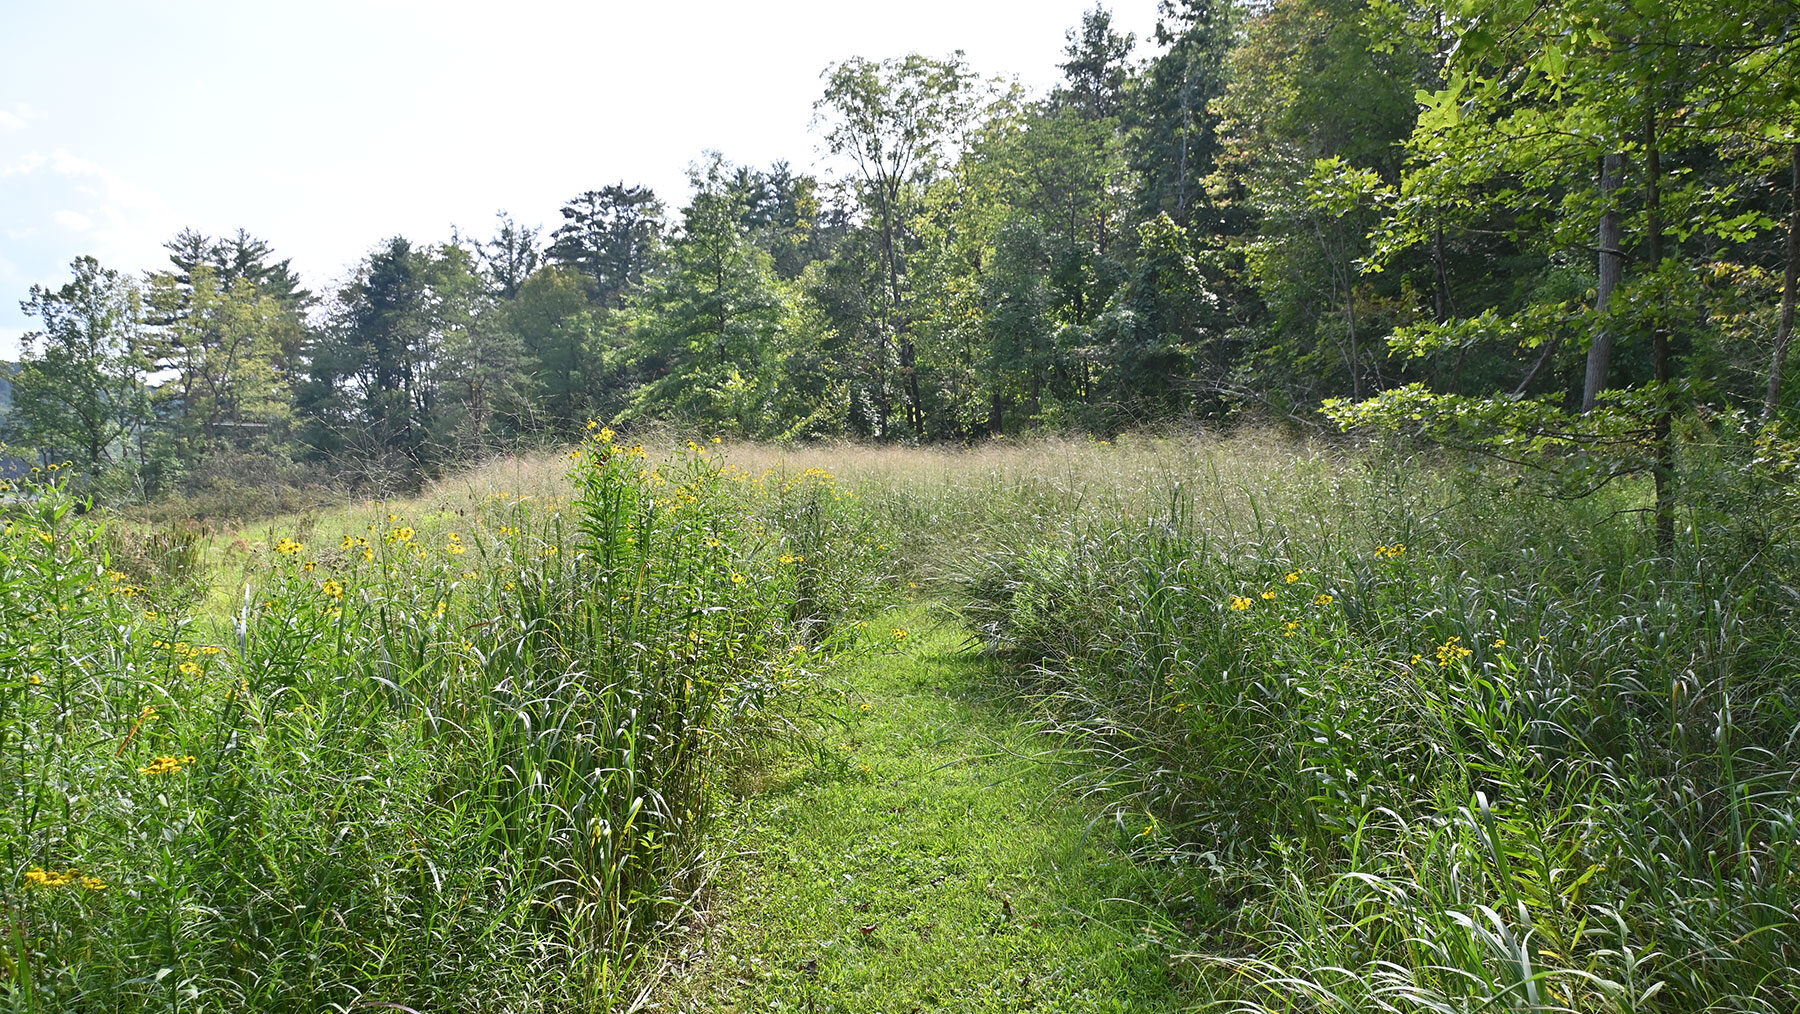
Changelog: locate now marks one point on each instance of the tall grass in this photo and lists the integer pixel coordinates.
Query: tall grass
(1410, 741)
(447, 763)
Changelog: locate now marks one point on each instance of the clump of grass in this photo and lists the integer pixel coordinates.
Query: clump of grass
(1424, 745)
(451, 761)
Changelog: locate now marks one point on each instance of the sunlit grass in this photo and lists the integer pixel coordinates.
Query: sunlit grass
(1403, 736)
(1442, 746)
(446, 754)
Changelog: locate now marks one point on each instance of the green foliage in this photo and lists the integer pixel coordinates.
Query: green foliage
(611, 236)
(228, 347)
(1268, 206)
(79, 391)
(705, 335)
(1448, 747)
(458, 760)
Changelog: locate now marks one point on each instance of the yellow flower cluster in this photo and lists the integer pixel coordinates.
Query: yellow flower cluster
(182, 649)
(456, 547)
(121, 587)
(166, 765)
(1240, 603)
(1292, 576)
(1452, 651)
(288, 547)
(332, 589)
(35, 877)
(1323, 599)
(1393, 552)
(352, 542)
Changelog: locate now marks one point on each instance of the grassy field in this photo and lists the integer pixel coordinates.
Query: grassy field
(452, 758)
(1419, 738)
(1226, 722)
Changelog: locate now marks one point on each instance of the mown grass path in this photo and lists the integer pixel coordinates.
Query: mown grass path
(933, 862)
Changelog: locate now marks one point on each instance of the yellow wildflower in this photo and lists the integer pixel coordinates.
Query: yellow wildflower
(166, 765)
(1452, 651)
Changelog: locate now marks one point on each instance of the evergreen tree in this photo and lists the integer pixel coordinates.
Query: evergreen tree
(611, 235)
(704, 333)
(510, 257)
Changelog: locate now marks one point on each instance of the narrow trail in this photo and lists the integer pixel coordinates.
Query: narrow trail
(932, 863)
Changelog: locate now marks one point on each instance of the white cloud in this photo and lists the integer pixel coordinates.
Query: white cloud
(25, 164)
(17, 116)
(62, 204)
(123, 222)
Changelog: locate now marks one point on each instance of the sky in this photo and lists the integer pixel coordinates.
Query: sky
(327, 126)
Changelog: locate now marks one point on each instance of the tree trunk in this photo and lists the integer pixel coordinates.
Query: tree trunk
(1356, 380)
(1612, 266)
(1441, 293)
(890, 330)
(1663, 435)
(1784, 331)
(1181, 171)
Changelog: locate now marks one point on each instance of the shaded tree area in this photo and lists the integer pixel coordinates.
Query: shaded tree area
(1495, 220)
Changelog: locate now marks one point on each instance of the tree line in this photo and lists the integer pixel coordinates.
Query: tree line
(1541, 223)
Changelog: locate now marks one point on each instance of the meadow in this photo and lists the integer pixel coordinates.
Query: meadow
(1377, 728)
(455, 759)
(1404, 731)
